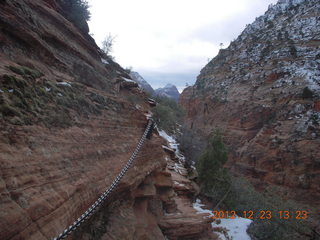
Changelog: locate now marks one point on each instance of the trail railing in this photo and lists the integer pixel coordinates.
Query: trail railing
(95, 206)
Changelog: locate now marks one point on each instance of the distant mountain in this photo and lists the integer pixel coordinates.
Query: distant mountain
(141, 82)
(169, 91)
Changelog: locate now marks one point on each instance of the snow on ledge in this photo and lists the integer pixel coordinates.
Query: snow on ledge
(237, 228)
(64, 84)
(105, 61)
(127, 80)
(172, 144)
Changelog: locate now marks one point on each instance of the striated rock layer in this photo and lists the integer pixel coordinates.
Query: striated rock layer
(70, 119)
(159, 207)
(263, 92)
(65, 131)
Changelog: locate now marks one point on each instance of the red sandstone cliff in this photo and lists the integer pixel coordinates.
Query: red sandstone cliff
(263, 91)
(68, 125)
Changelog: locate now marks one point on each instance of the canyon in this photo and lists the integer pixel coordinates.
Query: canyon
(70, 118)
(263, 93)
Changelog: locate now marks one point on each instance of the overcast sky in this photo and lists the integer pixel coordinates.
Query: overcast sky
(170, 41)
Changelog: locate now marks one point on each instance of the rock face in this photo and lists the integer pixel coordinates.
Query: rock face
(263, 91)
(70, 119)
(159, 207)
(135, 76)
(169, 91)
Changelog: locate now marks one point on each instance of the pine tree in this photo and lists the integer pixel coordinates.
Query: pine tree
(77, 12)
(210, 165)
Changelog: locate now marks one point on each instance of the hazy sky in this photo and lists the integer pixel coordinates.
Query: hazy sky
(170, 41)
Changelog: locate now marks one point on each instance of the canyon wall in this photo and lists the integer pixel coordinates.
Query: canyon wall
(263, 92)
(69, 121)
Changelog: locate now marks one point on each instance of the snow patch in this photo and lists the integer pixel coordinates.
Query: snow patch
(173, 144)
(311, 76)
(127, 80)
(179, 184)
(304, 121)
(178, 168)
(237, 228)
(198, 206)
(10, 90)
(167, 137)
(148, 115)
(105, 61)
(138, 107)
(64, 84)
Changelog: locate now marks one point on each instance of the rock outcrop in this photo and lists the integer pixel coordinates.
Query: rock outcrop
(70, 118)
(159, 207)
(263, 92)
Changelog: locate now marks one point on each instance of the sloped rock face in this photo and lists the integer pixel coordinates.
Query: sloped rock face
(70, 119)
(67, 128)
(51, 176)
(263, 91)
(36, 35)
(157, 207)
(142, 83)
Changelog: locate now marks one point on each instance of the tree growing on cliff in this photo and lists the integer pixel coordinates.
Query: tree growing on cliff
(167, 113)
(107, 44)
(213, 177)
(307, 93)
(77, 12)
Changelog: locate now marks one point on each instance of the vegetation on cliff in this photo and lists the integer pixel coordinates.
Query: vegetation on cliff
(167, 113)
(213, 177)
(77, 12)
(237, 194)
(27, 98)
(263, 90)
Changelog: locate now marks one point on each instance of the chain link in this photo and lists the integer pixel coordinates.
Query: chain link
(94, 207)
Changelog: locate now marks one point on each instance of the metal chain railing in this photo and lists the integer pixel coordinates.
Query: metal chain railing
(94, 207)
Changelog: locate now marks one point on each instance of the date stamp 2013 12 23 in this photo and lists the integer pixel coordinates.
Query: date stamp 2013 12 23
(263, 214)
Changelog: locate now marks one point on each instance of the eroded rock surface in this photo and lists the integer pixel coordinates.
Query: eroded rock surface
(70, 118)
(263, 92)
(160, 207)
